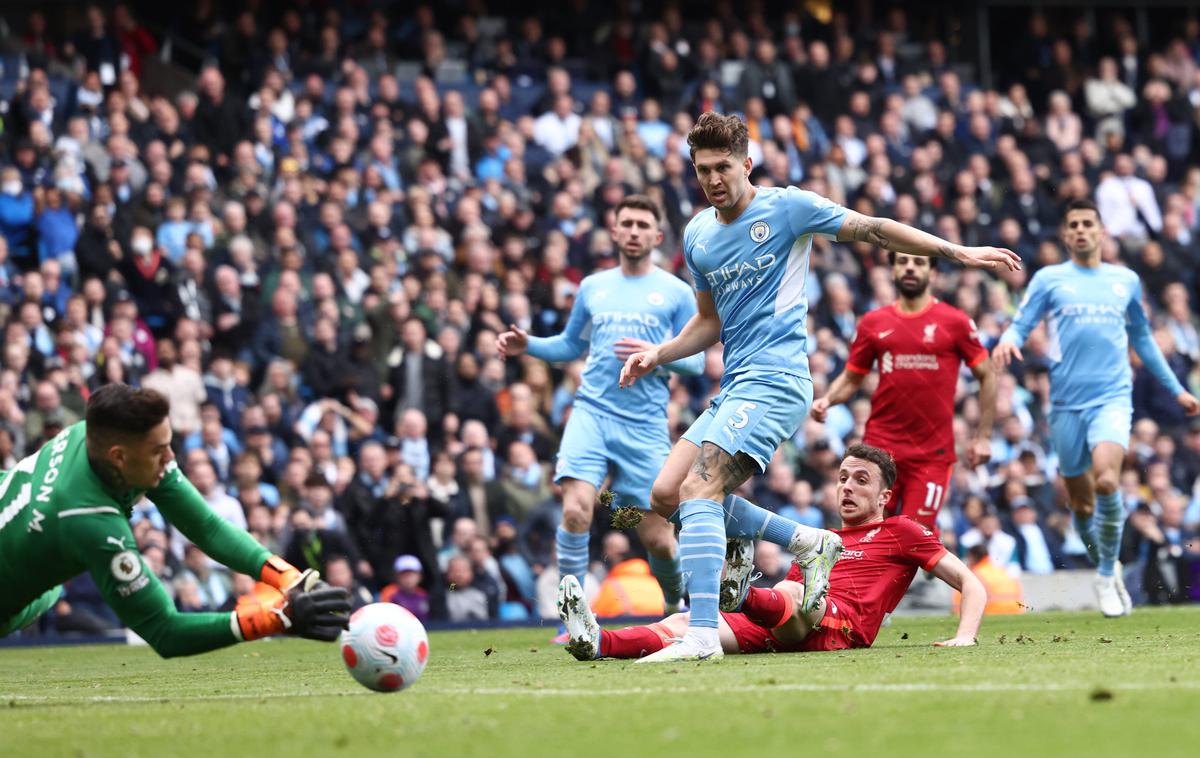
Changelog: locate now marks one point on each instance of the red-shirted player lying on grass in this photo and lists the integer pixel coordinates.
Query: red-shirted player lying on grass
(879, 560)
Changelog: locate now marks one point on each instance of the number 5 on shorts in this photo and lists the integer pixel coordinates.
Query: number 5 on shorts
(740, 418)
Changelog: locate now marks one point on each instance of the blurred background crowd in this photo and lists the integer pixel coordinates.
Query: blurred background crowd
(306, 222)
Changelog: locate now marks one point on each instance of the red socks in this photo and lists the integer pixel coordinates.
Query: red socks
(767, 608)
(634, 641)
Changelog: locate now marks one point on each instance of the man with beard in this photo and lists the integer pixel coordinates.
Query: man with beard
(617, 313)
(1094, 311)
(919, 343)
(881, 556)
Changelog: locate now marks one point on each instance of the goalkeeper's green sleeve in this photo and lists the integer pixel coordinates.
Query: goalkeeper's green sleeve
(104, 544)
(226, 544)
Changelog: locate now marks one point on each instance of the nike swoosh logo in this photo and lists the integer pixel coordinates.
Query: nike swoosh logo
(885, 334)
(705, 657)
(395, 660)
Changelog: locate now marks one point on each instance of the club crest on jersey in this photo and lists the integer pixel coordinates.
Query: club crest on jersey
(1120, 290)
(126, 566)
(870, 535)
(656, 298)
(759, 231)
(929, 330)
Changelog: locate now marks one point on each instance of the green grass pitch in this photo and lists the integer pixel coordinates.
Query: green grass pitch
(1048, 684)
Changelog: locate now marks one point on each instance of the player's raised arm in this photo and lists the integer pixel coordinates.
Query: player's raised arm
(567, 346)
(701, 332)
(975, 356)
(955, 573)
(901, 238)
(1141, 339)
(840, 390)
(691, 365)
(979, 450)
(858, 365)
(1030, 312)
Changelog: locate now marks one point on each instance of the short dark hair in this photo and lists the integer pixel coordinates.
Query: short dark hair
(716, 132)
(317, 479)
(878, 456)
(117, 412)
(976, 553)
(892, 258)
(1080, 204)
(640, 203)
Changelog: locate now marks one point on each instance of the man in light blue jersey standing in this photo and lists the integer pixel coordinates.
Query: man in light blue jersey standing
(748, 255)
(1093, 314)
(617, 313)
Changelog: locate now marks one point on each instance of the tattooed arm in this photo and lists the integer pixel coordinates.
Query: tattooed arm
(901, 238)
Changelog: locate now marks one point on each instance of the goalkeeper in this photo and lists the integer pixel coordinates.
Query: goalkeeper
(65, 509)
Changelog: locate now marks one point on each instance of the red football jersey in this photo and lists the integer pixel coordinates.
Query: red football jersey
(878, 562)
(918, 357)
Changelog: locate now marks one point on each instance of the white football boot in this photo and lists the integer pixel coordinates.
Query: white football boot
(816, 564)
(583, 633)
(1109, 597)
(738, 574)
(1119, 575)
(696, 645)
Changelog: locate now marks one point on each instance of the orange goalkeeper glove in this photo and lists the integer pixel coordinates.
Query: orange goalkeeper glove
(317, 614)
(282, 575)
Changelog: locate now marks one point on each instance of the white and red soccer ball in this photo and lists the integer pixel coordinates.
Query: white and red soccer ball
(386, 648)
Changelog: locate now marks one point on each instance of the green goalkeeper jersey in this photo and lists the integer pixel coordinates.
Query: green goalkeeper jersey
(58, 519)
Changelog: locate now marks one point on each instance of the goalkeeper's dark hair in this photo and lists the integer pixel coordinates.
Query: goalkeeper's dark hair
(118, 413)
(640, 203)
(878, 456)
(716, 132)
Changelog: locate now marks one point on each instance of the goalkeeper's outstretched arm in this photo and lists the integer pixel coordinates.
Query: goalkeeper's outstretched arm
(104, 544)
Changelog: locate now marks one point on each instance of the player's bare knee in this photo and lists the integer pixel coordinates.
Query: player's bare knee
(677, 623)
(577, 518)
(1082, 507)
(664, 498)
(1107, 482)
(695, 487)
(658, 537)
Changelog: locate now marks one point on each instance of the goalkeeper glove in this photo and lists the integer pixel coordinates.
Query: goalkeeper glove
(319, 613)
(282, 575)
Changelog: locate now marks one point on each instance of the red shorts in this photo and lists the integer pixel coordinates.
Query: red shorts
(921, 488)
(839, 630)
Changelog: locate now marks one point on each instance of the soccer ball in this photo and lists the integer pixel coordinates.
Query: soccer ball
(385, 648)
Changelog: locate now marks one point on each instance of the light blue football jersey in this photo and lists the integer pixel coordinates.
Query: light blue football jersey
(1092, 314)
(756, 269)
(609, 306)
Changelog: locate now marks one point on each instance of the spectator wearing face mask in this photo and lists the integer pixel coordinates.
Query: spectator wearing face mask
(17, 220)
(149, 277)
(525, 483)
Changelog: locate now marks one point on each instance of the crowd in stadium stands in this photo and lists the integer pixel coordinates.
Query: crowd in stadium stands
(311, 243)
